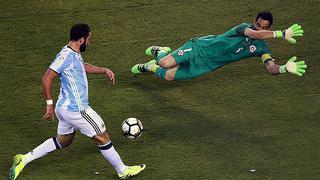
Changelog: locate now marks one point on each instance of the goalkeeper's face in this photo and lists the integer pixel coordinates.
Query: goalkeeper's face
(261, 24)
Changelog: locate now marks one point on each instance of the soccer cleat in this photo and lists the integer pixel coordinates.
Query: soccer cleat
(141, 68)
(138, 69)
(153, 50)
(17, 166)
(132, 171)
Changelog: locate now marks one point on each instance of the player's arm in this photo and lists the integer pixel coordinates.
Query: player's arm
(297, 68)
(91, 69)
(288, 34)
(47, 80)
(262, 34)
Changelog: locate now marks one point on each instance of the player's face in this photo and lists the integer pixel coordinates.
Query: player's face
(261, 24)
(86, 43)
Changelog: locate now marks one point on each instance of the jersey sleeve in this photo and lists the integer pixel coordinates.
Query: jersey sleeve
(60, 63)
(241, 28)
(237, 30)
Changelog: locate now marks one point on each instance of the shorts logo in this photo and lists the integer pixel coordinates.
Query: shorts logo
(240, 49)
(181, 52)
(252, 48)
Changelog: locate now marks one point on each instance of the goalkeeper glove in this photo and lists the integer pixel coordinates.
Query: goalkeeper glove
(297, 68)
(293, 31)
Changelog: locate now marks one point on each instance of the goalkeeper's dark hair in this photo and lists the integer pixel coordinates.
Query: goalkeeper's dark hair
(78, 31)
(266, 15)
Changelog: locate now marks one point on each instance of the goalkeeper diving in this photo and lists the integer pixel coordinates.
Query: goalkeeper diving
(205, 54)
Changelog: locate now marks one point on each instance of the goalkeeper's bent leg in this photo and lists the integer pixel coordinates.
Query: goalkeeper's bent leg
(161, 72)
(161, 54)
(158, 70)
(168, 61)
(166, 74)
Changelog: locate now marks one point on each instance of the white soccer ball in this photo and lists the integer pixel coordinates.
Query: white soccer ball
(131, 128)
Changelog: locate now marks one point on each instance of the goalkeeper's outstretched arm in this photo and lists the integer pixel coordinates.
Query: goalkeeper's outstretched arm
(297, 68)
(261, 34)
(288, 34)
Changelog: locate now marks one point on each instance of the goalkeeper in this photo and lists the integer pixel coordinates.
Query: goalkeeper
(205, 54)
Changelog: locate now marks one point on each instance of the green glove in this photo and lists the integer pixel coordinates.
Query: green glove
(293, 31)
(297, 68)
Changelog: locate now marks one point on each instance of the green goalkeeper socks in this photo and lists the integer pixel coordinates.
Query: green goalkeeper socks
(161, 72)
(161, 54)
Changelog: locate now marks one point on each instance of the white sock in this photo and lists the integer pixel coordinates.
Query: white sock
(110, 154)
(43, 149)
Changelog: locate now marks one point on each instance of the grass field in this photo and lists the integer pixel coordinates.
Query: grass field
(218, 126)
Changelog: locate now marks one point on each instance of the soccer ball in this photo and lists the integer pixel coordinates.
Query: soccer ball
(131, 128)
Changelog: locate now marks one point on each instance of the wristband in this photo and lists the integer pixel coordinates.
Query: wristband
(282, 69)
(277, 34)
(49, 102)
(266, 58)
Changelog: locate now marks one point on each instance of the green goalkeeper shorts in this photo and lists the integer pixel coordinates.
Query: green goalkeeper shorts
(190, 63)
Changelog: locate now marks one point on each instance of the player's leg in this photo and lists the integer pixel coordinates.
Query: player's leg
(162, 56)
(107, 150)
(167, 62)
(49, 145)
(158, 52)
(181, 72)
(93, 126)
(184, 71)
(65, 140)
(167, 74)
(164, 59)
(184, 60)
(110, 154)
(191, 69)
(178, 56)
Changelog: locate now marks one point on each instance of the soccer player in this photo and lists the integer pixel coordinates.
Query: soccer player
(72, 108)
(205, 54)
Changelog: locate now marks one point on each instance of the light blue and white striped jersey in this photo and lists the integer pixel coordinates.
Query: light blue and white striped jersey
(73, 80)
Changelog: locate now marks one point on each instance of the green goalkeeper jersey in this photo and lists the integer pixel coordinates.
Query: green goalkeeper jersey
(217, 50)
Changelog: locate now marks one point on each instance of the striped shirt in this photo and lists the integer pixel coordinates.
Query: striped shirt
(73, 80)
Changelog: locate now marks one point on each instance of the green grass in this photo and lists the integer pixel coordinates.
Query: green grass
(218, 126)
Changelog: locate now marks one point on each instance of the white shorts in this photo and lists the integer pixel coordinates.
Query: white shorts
(88, 122)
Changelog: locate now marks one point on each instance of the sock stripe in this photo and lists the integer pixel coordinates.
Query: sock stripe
(56, 143)
(91, 122)
(105, 146)
(154, 68)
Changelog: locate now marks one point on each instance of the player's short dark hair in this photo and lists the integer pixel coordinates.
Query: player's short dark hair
(266, 15)
(78, 31)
